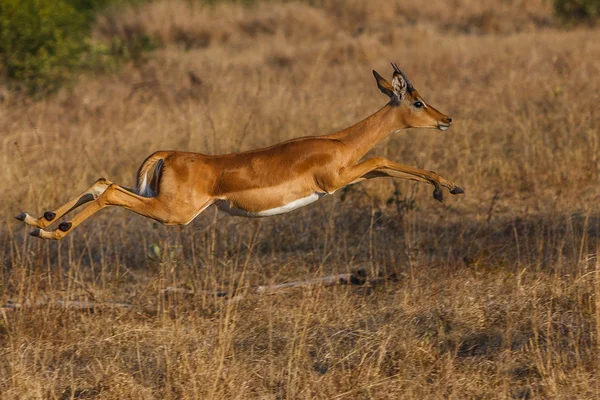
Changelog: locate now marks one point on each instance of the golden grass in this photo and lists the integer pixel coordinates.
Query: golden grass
(497, 293)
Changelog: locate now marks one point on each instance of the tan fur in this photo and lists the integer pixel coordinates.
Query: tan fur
(265, 179)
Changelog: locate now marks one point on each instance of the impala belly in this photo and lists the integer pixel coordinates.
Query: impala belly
(228, 207)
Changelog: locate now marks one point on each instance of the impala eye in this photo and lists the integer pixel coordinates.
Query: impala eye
(418, 104)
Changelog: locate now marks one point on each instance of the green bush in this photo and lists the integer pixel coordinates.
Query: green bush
(41, 41)
(575, 11)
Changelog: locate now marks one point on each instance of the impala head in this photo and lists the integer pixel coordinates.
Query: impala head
(412, 110)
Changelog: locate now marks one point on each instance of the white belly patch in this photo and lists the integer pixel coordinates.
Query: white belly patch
(225, 206)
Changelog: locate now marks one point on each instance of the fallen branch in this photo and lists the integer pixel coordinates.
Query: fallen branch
(355, 278)
(82, 305)
(340, 279)
(358, 277)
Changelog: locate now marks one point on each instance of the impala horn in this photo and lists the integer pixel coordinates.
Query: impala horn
(409, 87)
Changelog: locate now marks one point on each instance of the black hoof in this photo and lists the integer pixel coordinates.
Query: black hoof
(438, 194)
(64, 226)
(49, 215)
(457, 190)
(21, 217)
(36, 232)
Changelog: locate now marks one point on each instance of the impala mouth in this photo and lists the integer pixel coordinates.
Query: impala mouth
(443, 127)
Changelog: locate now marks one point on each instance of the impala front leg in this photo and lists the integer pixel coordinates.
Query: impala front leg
(382, 167)
(395, 170)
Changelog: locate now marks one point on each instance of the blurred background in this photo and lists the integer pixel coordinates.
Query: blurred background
(495, 293)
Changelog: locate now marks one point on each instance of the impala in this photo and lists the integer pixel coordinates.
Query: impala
(173, 187)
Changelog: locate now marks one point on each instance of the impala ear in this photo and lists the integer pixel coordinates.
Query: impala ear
(399, 85)
(383, 85)
(400, 82)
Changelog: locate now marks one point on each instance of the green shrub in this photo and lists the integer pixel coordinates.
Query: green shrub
(575, 11)
(41, 41)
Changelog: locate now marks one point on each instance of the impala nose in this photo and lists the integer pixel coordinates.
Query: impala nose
(448, 120)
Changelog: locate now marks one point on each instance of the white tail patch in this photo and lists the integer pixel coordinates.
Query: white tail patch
(145, 190)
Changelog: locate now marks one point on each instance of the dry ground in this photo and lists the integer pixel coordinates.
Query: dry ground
(497, 292)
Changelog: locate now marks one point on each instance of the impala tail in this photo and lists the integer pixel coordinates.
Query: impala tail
(145, 186)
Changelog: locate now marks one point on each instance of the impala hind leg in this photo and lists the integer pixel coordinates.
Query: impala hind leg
(90, 194)
(115, 195)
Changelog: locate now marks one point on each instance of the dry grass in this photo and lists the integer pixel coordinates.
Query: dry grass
(498, 291)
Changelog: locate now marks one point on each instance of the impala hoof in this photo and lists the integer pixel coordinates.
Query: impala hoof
(64, 226)
(21, 217)
(457, 190)
(438, 194)
(36, 232)
(49, 215)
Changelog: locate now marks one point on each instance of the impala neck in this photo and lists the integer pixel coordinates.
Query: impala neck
(363, 136)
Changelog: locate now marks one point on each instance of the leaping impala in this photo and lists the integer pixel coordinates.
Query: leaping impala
(260, 183)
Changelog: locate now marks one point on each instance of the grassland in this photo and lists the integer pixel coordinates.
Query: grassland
(496, 293)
